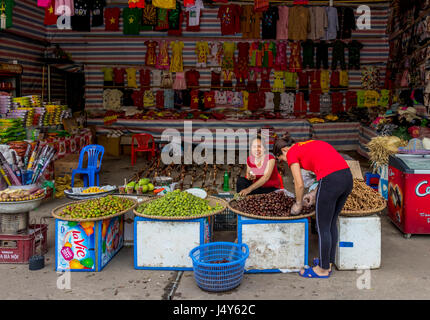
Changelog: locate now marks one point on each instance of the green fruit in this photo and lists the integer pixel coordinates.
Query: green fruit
(87, 262)
(136, 186)
(143, 181)
(131, 184)
(145, 188)
(150, 187)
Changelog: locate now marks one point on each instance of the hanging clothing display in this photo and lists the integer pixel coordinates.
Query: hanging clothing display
(176, 18)
(318, 23)
(202, 52)
(322, 54)
(354, 48)
(163, 60)
(241, 67)
(131, 77)
(215, 80)
(119, 76)
(256, 54)
(192, 78)
(298, 23)
(308, 54)
(269, 22)
(112, 19)
(149, 15)
(332, 25)
(295, 64)
(150, 56)
(97, 7)
(281, 56)
(265, 80)
(166, 4)
(282, 24)
(228, 55)
(230, 19)
(131, 21)
(338, 55)
(278, 84)
(290, 80)
(162, 20)
(166, 80)
(269, 54)
(215, 54)
(176, 64)
(145, 79)
(193, 16)
(180, 83)
(346, 21)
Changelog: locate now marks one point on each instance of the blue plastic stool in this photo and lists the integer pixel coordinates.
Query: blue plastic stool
(91, 172)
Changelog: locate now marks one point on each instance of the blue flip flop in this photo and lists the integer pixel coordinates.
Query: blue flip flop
(310, 273)
(316, 262)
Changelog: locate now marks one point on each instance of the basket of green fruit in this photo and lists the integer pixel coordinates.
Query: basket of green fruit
(180, 205)
(94, 209)
(143, 186)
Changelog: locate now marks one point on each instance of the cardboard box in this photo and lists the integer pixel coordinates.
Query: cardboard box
(111, 145)
(66, 165)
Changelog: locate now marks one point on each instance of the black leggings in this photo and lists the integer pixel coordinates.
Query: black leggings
(333, 190)
(243, 183)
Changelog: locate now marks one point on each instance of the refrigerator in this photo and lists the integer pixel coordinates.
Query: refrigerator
(409, 193)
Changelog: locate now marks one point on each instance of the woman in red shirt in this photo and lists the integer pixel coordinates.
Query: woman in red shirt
(335, 184)
(261, 172)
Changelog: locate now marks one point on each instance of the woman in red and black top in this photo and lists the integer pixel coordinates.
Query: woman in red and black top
(261, 172)
(335, 184)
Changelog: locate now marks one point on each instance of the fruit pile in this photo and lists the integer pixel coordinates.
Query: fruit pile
(93, 190)
(363, 198)
(178, 203)
(274, 204)
(13, 195)
(64, 183)
(141, 187)
(95, 208)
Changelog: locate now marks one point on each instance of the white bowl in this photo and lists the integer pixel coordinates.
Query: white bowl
(198, 192)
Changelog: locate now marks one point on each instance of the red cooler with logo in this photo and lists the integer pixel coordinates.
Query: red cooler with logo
(409, 193)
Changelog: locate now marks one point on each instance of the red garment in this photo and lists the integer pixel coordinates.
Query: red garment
(192, 78)
(273, 181)
(314, 102)
(136, 4)
(194, 99)
(191, 28)
(261, 99)
(295, 57)
(240, 82)
(315, 79)
(209, 99)
(137, 97)
(303, 79)
(50, 16)
(112, 19)
(145, 79)
(215, 80)
(189, 3)
(159, 99)
(118, 76)
(300, 106)
(230, 19)
(261, 5)
(334, 79)
(351, 100)
(316, 156)
(337, 102)
(241, 66)
(253, 101)
(265, 80)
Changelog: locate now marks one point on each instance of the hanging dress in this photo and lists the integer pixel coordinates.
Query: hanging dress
(177, 62)
(163, 61)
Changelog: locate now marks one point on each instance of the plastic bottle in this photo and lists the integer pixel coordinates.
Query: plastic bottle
(226, 186)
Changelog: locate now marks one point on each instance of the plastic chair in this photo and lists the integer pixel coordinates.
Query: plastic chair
(143, 140)
(91, 172)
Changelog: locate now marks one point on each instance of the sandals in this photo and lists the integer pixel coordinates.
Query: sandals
(310, 273)
(316, 262)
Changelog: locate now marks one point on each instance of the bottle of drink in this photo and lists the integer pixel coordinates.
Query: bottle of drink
(226, 186)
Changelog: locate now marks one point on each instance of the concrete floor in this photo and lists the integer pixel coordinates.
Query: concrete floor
(403, 273)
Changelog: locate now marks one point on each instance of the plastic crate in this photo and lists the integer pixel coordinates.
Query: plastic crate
(226, 221)
(372, 180)
(20, 248)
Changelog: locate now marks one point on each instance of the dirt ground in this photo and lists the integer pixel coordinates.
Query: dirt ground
(403, 273)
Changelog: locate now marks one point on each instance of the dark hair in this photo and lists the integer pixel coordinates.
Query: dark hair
(258, 137)
(282, 142)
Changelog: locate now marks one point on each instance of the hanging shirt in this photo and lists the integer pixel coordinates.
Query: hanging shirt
(192, 78)
(270, 19)
(318, 22)
(119, 75)
(346, 21)
(97, 12)
(298, 23)
(131, 20)
(107, 74)
(112, 19)
(149, 15)
(332, 23)
(131, 77)
(194, 14)
(174, 17)
(230, 18)
(50, 16)
(60, 4)
(162, 20)
(150, 57)
(82, 16)
(136, 3)
(282, 24)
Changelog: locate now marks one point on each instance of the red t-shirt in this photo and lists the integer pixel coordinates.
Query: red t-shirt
(112, 19)
(259, 172)
(229, 16)
(118, 74)
(316, 156)
(192, 78)
(209, 99)
(50, 16)
(194, 99)
(137, 97)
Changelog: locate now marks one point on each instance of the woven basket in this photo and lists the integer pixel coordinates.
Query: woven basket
(212, 202)
(253, 216)
(56, 211)
(363, 213)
